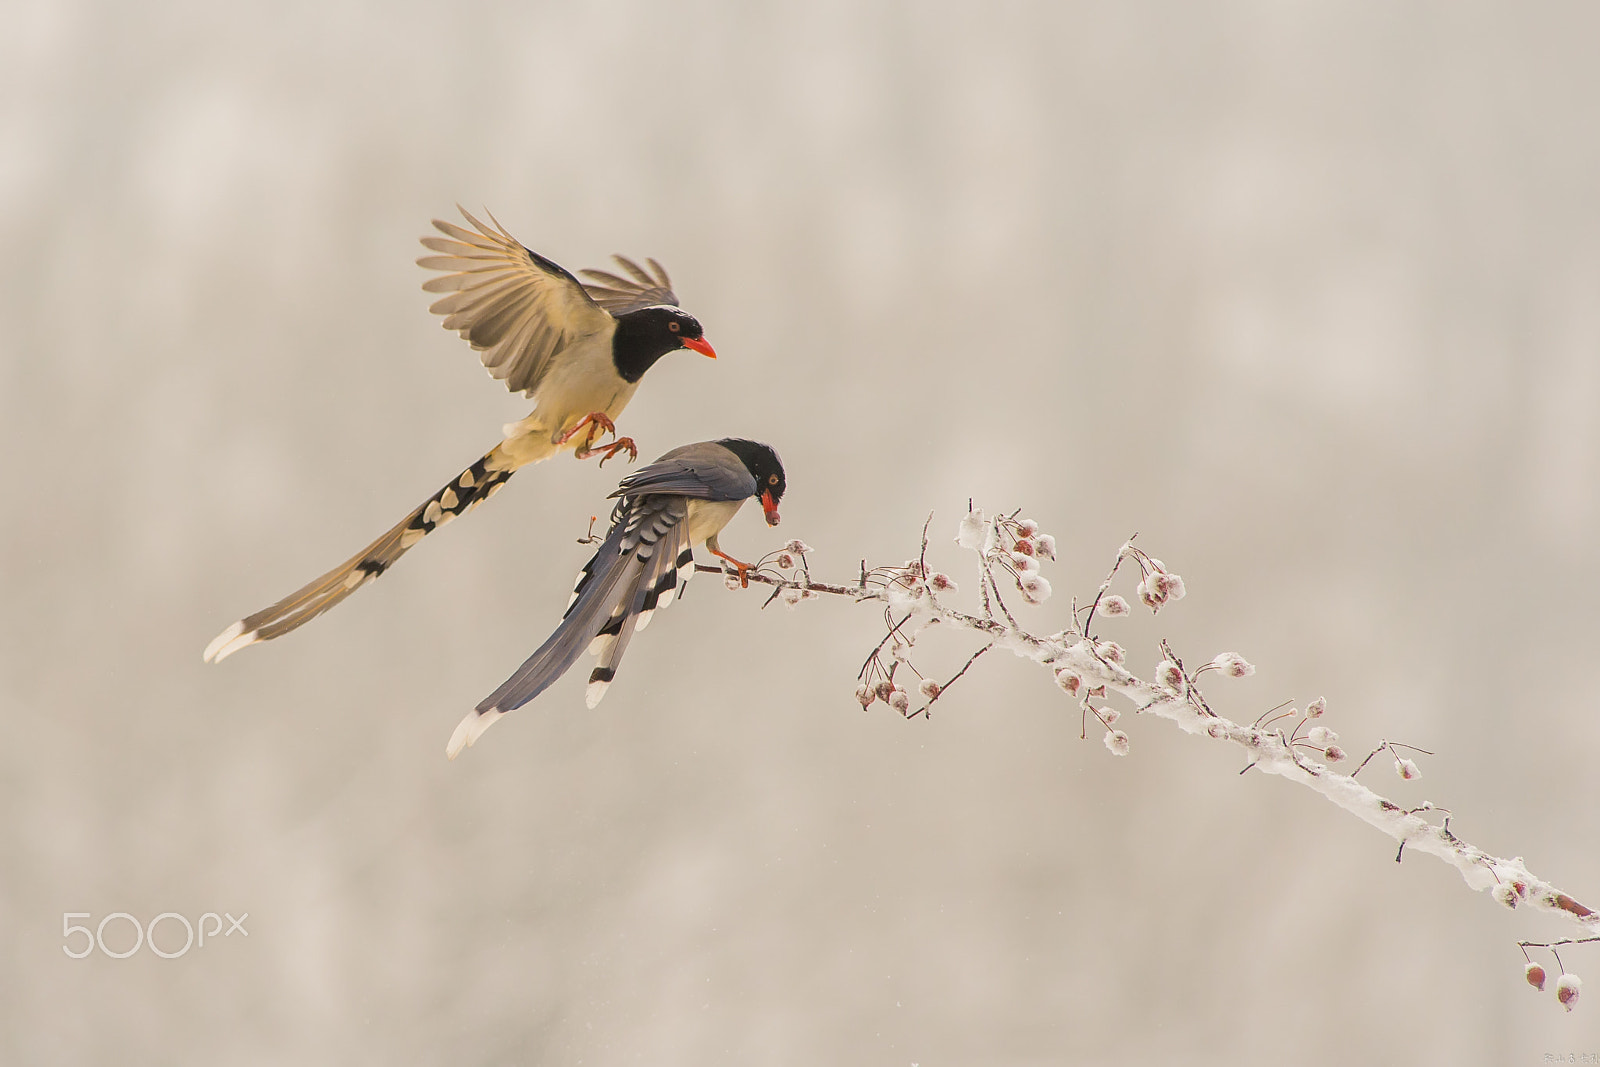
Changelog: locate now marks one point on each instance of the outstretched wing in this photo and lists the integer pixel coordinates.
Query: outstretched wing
(517, 308)
(640, 289)
(643, 563)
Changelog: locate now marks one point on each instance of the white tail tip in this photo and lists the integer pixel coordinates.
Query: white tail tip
(229, 641)
(470, 729)
(595, 692)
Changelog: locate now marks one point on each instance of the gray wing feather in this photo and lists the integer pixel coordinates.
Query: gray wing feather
(606, 573)
(620, 295)
(632, 615)
(517, 308)
(653, 590)
(705, 471)
(624, 578)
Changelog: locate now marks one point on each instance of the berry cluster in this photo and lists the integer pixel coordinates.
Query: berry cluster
(1012, 545)
(1089, 667)
(1568, 986)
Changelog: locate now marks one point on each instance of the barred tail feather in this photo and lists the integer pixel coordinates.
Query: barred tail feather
(636, 570)
(464, 492)
(661, 584)
(657, 576)
(605, 574)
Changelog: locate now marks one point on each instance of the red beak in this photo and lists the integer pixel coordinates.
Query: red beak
(770, 506)
(700, 345)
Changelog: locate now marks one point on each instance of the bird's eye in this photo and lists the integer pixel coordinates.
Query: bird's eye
(672, 326)
(772, 479)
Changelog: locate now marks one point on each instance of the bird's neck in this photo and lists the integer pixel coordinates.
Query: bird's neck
(636, 346)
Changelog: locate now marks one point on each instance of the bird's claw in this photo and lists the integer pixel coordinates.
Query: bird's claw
(614, 447)
(597, 421)
(742, 568)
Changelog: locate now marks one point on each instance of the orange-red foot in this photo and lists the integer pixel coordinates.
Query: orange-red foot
(743, 568)
(596, 421)
(619, 445)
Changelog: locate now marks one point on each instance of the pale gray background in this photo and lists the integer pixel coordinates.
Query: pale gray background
(1308, 294)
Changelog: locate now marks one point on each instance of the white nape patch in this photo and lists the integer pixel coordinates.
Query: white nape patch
(411, 537)
(432, 512)
(595, 693)
(228, 642)
(465, 481)
(471, 728)
(448, 499)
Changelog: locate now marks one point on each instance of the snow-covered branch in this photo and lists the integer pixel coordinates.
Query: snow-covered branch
(1009, 552)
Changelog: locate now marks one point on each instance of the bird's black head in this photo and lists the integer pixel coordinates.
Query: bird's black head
(763, 463)
(645, 335)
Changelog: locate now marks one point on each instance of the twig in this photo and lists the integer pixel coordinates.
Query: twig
(922, 556)
(1088, 624)
(997, 599)
(1270, 751)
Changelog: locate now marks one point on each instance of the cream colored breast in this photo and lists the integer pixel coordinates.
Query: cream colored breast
(577, 387)
(706, 518)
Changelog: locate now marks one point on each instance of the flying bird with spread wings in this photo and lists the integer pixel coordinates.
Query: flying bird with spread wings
(577, 349)
(682, 499)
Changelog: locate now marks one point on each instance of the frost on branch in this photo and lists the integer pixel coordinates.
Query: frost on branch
(1011, 554)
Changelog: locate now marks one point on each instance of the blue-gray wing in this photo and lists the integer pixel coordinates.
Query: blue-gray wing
(643, 562)
(705, 471)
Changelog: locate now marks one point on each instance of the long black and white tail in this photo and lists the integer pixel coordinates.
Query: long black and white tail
(644, 562)
(466, 490)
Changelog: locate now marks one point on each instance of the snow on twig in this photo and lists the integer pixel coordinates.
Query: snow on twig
(1009, 552)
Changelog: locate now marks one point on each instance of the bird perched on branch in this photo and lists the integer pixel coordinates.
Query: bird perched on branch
(577, 349)
(685, 497)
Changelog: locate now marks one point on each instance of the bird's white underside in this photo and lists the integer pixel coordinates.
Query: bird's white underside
(706, 518)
